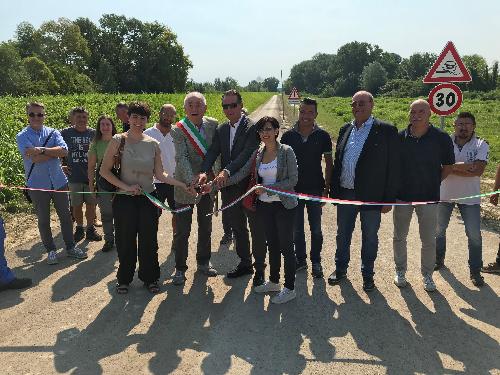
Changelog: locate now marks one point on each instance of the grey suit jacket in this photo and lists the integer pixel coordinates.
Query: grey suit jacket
(286, 177)
(188, 162)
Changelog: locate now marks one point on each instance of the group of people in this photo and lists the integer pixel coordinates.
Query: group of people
(186, 164)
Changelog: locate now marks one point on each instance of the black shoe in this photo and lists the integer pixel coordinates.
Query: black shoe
(239, 271)
(477, 279)
(439, 264)
(79, 233)
(300, 265)
(368, 284)
(336, 277)
(317, 270)
(227, 239)
(92, 234)
(16, 284)
(108, 246)
(258, 279)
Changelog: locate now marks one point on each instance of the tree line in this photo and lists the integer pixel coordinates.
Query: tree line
(360, 65)
(118, 54)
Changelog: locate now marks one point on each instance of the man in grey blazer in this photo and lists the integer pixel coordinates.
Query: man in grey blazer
(235, 141)
(192, 137)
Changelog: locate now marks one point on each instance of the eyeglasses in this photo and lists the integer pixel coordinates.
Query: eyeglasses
(32, 114)
(230, 105)
(263, 130)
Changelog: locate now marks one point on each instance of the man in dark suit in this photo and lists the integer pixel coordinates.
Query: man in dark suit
(235, 141)
(366, 168)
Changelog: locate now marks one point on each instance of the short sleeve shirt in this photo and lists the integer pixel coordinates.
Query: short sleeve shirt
(46, 175)
(309, 152)
(98, 149)
(421, 163)
(78, 148)
(138, 161)
(455, 186)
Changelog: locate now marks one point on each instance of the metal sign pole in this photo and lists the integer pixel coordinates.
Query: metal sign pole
(441, 118)
(282, 96)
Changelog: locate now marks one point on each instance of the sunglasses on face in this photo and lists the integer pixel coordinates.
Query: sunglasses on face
(32, 114)
(230, 105)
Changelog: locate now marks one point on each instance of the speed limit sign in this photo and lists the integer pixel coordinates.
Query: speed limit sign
(445, 99)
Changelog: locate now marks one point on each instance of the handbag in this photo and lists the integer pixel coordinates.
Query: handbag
(102, 183)
(25, 191)
(249, 202)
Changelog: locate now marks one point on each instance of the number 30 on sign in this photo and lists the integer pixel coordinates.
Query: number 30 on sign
(445, 99)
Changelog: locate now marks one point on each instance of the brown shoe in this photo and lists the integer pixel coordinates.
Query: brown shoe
(491, 268)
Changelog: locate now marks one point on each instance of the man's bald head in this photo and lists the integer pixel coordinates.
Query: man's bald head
(362, 106)
(420, 112)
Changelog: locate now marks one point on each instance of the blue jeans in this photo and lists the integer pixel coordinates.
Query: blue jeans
(6, 275)
(314, 211)
(346, 221)
(471, 216)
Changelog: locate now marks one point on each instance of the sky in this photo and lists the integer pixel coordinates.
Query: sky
(251, 39)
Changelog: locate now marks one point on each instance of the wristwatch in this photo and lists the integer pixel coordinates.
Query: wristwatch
(43, 151)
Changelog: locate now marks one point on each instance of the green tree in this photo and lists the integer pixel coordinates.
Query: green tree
(42, 80)
(15, 80)
(27, 40)
(374, 76)
(271, 84)
(416, 66)
(105, 77)
(253, 86)
(478, 69)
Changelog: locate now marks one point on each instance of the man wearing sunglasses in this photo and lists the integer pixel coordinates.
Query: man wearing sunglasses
(41, 147)
(366, 168)
(235, 141)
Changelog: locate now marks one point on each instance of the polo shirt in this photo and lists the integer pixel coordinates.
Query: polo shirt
(46, 175)
(167, 149)
(421, 162)
(309, 152)
(455, 186)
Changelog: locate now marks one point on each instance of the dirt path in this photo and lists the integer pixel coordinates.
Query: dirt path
(71, 321)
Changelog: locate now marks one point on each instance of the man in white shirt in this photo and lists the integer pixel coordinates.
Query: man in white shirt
(161, 132)
(471, 156)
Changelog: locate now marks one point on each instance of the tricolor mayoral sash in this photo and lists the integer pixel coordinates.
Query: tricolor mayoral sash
(193, 134)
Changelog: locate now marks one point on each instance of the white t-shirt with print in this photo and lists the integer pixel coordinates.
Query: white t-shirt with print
(455, 186)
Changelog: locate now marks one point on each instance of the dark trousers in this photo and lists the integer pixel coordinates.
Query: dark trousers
(278, 223)
(6, 275)
(165, 192)
(183, 230)
(237, 216)
(136, 227)
(346, 221)
(226, 224)
(314, 211)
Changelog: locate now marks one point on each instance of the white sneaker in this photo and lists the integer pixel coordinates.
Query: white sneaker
(429, 285)
(267, 287)
(284, 296)
(77, 253)
(400, 279)
(52, 258)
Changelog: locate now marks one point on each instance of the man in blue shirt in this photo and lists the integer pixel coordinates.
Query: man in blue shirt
(366, 169)
(43, 171)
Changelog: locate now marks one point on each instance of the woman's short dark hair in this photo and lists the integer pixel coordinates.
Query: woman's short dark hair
(139, 108)
(98, 133)
(263, 121)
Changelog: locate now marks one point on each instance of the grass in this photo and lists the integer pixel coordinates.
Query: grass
(13, 119)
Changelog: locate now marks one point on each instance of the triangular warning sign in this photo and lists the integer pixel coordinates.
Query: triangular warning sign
(294, 94)
(448, 67)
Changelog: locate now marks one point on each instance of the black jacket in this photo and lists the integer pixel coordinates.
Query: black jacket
(244, 144)
(377, 170)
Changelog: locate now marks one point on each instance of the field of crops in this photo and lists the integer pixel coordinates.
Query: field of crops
(13, 119)
(334, 112)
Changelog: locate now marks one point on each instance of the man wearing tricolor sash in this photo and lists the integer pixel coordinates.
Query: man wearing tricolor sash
(192, 137)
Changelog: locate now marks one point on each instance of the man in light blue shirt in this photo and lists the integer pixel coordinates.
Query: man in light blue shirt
(41, 147)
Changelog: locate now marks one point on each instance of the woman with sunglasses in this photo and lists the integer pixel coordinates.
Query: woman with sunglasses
(275, 167)
(105, 130)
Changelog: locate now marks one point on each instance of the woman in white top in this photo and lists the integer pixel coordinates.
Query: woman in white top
(275, 166)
